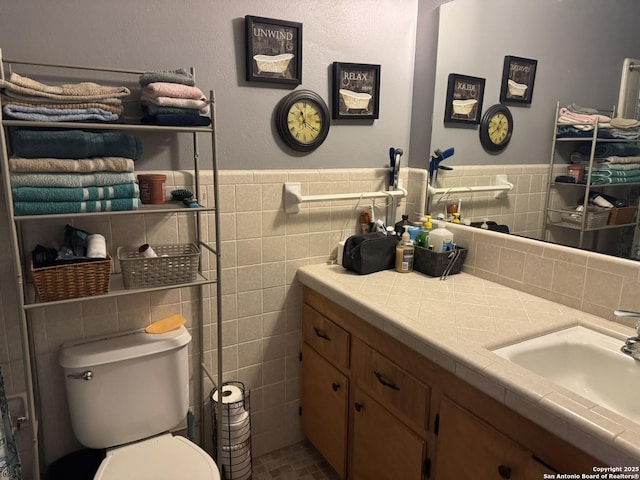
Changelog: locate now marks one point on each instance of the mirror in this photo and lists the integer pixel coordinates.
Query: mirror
(579, 46)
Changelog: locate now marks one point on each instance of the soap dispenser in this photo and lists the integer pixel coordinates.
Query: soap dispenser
(404, 254)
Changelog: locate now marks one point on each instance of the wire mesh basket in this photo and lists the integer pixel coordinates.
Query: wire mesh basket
(597, 217)
(233, 450)
(173, 264)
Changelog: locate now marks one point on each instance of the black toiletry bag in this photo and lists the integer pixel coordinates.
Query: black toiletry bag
(369, 252)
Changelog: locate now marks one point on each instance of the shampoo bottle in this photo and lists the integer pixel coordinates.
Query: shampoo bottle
(404, 254)
(441, 239)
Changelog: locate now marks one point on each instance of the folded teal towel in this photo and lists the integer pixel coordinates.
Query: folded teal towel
(77, 194)
(614, 173)
(53, 208)
(74, 144)
(97, 179)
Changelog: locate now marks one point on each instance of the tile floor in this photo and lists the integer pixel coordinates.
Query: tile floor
(296, 462)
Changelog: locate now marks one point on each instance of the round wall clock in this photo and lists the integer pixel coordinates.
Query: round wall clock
(302, 119)
(496, 128)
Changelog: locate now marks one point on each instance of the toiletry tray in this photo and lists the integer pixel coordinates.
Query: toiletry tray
(434, 264)
(73, 280)
(596, 217)
(622, 215)
(174, 264)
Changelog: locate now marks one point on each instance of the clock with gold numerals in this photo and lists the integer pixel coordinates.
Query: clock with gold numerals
(302, 120)
(496, 128)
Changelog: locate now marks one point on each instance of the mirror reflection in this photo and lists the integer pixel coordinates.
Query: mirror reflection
(580, 47)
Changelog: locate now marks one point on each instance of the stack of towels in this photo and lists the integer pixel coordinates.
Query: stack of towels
(577, 121)
(27, 99)
(171, 98)
(69, 171)
(615, 162)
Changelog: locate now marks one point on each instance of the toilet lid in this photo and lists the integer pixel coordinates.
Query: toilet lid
(160, 458)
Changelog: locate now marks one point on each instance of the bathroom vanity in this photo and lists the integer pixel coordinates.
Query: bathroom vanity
(399, 381)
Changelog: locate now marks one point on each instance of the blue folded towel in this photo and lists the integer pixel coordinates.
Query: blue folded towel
(609, 149)
(77, 194)
(53, 208)
(45, 114)
(177, 120)
(96, 179)
(31, 143)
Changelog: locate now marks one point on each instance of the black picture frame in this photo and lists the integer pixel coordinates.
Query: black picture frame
(464, 99)
(356, 91)
(518, 77)
(273, 50)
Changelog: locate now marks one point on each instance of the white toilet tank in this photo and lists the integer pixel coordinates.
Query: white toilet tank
(126, 387)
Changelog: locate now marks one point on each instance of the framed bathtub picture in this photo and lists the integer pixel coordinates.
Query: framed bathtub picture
(518, 75)
(464, 99)
(356, 91)
(273, 50)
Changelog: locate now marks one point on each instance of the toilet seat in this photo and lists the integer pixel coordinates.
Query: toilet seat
(160, 458)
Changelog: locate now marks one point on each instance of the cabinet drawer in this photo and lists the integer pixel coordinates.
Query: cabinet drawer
(391, 386)
(327, 338)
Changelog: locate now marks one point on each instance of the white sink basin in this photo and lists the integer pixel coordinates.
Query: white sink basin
(586, 362)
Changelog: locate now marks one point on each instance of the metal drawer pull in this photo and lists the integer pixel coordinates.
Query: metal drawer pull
(335, 386)
(504, 471)
(385, 382)
(358, 407)
(321, 333)
(87, 375)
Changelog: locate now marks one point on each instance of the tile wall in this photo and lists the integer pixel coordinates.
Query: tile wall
(262, 247)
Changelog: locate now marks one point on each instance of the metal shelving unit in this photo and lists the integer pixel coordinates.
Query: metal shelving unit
(26, 297)
(582, 225)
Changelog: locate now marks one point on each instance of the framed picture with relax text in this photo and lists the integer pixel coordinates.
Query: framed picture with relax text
(273, 50)
(464, 99)
(518, 75)
(356, 91)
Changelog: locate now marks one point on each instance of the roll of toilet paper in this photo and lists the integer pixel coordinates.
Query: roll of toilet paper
(237, 465)
(232, 401)
(232, 436)
(96, 246)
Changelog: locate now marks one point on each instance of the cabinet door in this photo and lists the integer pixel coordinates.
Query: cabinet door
(325, 393)
(383, 447)
(470, 449)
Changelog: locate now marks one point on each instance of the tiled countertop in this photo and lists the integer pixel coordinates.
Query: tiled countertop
(455, 323)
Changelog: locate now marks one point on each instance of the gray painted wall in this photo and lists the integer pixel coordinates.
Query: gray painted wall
(209, 35)
(579, 44)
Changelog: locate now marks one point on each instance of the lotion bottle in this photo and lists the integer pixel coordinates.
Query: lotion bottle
(404, 254)
(441, 239)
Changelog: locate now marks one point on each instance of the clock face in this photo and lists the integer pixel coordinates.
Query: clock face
(305, 121)
(302, 120)
(496, 128)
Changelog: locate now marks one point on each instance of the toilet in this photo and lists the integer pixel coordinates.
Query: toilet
(125, 392)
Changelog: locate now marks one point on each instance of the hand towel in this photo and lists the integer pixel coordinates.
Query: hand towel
(27, 101)
(45, 114)
(97, 179)
(201, 105)
(76, 194)
(71, 91)
(173, 90)
(179, 75)
(151, 109)
(56, 165)
(52, 208)
(177, 120)
(73, 144)
(585, 118)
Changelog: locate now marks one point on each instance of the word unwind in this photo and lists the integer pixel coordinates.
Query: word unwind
(269, 33)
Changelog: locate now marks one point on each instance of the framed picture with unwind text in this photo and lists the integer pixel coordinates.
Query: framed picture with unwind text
(464, 99)
(356, 91)
(518, 75)
(273, 50)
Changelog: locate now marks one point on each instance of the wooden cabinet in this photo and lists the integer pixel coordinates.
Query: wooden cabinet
(383, 448)
(469, 448)
(325, 393)
(377, 409)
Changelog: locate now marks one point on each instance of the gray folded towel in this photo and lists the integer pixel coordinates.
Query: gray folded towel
(179, 75)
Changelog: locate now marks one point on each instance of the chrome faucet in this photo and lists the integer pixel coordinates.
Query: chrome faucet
(631, 345)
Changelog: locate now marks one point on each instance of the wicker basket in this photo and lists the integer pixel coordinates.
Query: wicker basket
(75, 280)
(174, 264)
(596, 217)
(623, 215)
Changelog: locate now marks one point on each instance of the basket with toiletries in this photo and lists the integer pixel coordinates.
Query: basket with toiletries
(80, 267)
(169, 265)
(596, 217)
(436, 264)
